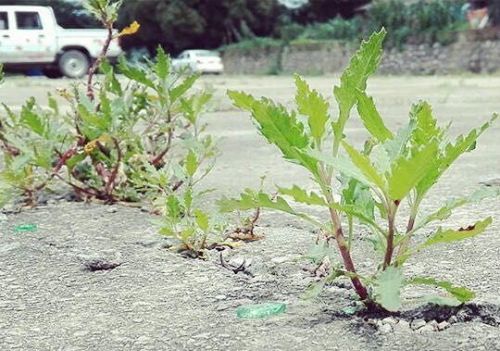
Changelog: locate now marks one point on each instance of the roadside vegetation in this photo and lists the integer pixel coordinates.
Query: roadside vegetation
(143, 140)
(139, 140)
(436, 21)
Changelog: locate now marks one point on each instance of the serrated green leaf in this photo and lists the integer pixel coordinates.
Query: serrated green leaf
(450, 154)
(300, 195)
(162, 65)
(32, 120)
(371, 118)
(250, 200)
(187, 233)
(362, 65)
(450, 235)
(408, 172)
(313, 105)
(94, 124)
(398, 146)
(133, 73)
(174, 208)
(75, 160)
(426, 128)
(279, 127)
(191, 163)
(241, 100)
(112, 84)
(53, 104)
(381, 159)
(358, 213)
(202, 220)
(358, 196)
(343, 165)
(188, 198)
(462, 294)
(387, 288)
(363, 163)
(446, 211)
(183, 87)
(18, 163)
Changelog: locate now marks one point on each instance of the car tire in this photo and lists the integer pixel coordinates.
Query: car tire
(52, 73)
(74, 64)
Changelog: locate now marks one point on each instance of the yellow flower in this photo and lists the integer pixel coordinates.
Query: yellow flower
(132, 29)
(91, 145)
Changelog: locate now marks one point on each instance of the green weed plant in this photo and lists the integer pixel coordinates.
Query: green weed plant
(392, 170)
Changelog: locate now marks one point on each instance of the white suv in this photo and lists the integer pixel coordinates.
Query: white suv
(203, 61)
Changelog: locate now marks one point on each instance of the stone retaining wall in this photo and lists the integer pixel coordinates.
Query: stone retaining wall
(468, 54)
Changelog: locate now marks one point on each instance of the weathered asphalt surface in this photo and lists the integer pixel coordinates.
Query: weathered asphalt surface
(157, 300)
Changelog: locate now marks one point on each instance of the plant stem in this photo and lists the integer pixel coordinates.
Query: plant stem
(349, 238)
(390, 243)
(346, 256)
(97, 62)
(391, 216)
(157, 159)
(112, 178)
(409, 227)
(344, 248)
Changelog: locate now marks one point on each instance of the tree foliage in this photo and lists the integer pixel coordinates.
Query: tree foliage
(494, 11)
(178, 25)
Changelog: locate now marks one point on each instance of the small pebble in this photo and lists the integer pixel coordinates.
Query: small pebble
(443, 325)
(426, 329)
(434, 324)
(385, 329)
(402, 325)
(390, 320)
(111, 210)
(417, 324)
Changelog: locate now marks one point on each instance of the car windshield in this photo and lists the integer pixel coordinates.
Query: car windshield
(207, 54)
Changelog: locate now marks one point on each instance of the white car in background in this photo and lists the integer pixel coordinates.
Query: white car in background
(203, 61)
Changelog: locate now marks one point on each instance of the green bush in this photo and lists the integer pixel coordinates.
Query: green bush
(419, 22)
(336, 29)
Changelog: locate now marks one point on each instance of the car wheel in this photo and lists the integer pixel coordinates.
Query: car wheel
(52, 73)
(74, 64)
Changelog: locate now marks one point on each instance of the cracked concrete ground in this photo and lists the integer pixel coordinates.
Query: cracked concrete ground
(157, 300)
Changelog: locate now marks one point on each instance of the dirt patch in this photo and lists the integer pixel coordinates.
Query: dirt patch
(100, 265)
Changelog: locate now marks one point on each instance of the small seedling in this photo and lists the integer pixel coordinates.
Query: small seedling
(391, 171)
(245, 231)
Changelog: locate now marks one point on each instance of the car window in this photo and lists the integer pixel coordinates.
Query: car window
(207, 54)
(28, 20)
(4, 21)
